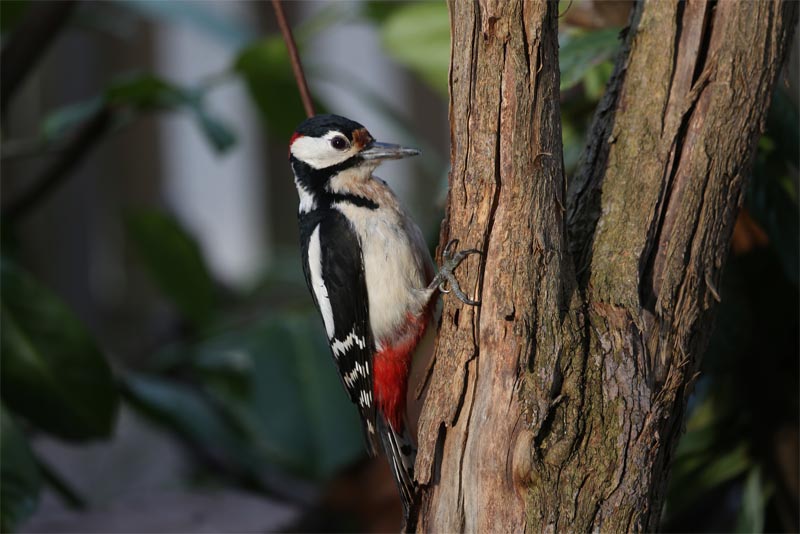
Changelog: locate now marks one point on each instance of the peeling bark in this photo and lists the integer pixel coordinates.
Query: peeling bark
(556, 405)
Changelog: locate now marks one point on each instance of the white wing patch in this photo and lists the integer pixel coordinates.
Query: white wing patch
(340, 347)
(318, 284)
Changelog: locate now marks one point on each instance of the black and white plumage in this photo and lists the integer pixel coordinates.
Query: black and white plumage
(370, 275)
(337, 281)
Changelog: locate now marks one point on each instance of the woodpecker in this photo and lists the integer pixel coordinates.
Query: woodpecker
(370, 275)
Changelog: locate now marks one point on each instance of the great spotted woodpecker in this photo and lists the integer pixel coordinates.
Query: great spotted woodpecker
(370, 275)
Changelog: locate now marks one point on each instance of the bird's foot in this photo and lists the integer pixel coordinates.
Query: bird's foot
(446, 274)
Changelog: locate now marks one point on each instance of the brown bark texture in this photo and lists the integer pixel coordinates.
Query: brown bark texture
(556, 405)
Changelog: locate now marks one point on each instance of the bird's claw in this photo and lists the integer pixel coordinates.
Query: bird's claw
(454, 260)
(446, 276)
(447, 248)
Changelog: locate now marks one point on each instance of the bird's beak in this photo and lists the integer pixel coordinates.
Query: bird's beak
(380, 151)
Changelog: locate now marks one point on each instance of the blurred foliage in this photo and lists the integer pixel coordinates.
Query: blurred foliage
(773, 197)
(584, 55)
(265, 67)
(53, 376)
(268, 393)
(256, 400)
(174, 261)
(142, 93)
(747, 396)
(53, 373)
(417, 35)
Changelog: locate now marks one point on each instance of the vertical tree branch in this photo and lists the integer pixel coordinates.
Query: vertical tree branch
(297, 66)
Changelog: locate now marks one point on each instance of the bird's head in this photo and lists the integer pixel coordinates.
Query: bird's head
(334, 142)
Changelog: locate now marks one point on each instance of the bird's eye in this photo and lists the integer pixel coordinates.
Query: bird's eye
(339, 143)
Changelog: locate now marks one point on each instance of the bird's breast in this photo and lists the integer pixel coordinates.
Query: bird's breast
(396, 264)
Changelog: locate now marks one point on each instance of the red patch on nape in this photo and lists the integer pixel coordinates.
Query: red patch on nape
(391, 370)
(295, 136)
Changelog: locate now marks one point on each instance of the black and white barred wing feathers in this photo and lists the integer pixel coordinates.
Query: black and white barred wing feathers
(335, 274)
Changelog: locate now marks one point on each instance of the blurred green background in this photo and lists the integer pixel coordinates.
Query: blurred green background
(163, 368)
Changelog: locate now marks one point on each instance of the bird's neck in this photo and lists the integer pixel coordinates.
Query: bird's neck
(320, 188)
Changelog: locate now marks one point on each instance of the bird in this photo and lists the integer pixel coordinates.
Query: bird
(370, 275)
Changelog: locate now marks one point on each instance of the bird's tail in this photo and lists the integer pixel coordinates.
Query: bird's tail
(401, 453)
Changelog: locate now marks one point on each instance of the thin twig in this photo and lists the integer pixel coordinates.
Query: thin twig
(31, 147)
(297, 67)
(29, 40)
(69, 495)
(65, 161)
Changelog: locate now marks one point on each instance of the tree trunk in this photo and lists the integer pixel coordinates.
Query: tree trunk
(556, 405)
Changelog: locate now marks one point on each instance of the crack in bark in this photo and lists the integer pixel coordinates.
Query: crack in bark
(675, 56)
(651, 262)
(460, 498)
(497, 170)
(705, 43)
(471, 91)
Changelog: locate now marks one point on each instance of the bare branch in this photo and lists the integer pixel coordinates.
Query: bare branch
(54, 174)
(297, 67)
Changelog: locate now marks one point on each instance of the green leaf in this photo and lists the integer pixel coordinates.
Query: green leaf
(175, 262)
(52, 371)
(337, 434)
(572, 143)
(143, 93)
(149, 93)
(217, 133)
(267, 394)
(181, 408)
(266, 70)
(20, 480)
(62, 120)
(418, 36)
(146, 92)
(293, 400)
(582, 51)
(380, 10)
(201, 419)
(596, 79)
(275, 384)
(754, 502)
(695, 475)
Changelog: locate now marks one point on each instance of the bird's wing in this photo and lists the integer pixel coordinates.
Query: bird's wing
(335, 275)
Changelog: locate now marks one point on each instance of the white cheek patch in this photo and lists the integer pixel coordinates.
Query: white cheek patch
(318, 152)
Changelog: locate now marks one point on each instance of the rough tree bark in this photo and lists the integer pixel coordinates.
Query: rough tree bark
(556, 405)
